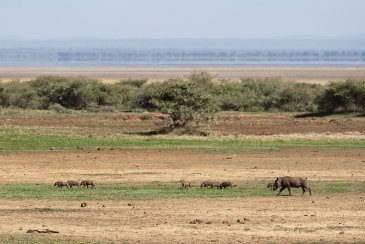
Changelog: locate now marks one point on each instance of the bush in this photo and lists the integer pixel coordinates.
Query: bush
(251, 94)
(299, 97)
(234, 97)
(18, 94)
(348, 96)
(187, 104)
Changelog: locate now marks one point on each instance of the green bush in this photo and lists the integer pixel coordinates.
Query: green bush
(18, 94)
(235, 97)
(251, 94)
(188, 105)
(348, 96)
(299, 97)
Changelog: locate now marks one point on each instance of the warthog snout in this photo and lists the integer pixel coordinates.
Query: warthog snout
(271, 186)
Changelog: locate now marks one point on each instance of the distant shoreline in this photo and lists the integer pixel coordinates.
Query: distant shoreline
(321, 75)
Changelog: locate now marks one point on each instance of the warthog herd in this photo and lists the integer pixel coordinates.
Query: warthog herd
(71, 183)
(283, 183)
(209, 184)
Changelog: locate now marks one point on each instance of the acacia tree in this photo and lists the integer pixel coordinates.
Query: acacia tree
(188, 105)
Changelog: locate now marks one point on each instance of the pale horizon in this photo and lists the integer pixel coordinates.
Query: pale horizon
(188, 19)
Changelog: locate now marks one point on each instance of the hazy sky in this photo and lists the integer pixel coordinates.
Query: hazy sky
(53, 19)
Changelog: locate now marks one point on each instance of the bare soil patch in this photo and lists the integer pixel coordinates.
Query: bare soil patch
(227, 124)
(332, 217)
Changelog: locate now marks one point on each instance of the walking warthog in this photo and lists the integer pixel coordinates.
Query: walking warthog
(225, 184)
(185, 184)
(61, 184)
(288, 182)
(72, 183)
(215, 184)
(206, 183)
(87, 183)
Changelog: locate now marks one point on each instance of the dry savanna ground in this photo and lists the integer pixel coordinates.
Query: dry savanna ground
(137, 196)
(311, 74)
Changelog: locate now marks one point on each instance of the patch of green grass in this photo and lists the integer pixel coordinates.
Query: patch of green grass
(160, 190)
(123, 191)
(21, 140)
(337, 187)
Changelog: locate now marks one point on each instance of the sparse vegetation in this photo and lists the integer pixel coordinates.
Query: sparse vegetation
(160, 190)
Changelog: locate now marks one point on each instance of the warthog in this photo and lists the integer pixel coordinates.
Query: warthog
(225, 184)
(72, 183)
(288, 182)
(185, 184)
(61, 184)
(87, 183)
(206, 183)
(215, 184)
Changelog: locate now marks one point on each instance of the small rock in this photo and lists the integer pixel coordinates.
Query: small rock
(129, 204)
(341, 233)
(209, 222)
(103, 206)
(83, 204)
(313, 202)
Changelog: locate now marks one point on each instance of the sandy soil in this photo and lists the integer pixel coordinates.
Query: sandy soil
(109, 74)
(333, 217)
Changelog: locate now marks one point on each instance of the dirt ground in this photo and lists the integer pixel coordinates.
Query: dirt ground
(265, 219)
(270, 219)
(312, 75)
(227, 124)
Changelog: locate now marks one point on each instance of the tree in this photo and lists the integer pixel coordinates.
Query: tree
(188, 105)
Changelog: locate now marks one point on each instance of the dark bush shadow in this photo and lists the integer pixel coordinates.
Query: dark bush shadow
(324, 114)
(150, 133)
(309, 115)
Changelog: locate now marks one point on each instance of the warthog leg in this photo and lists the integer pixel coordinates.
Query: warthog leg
(310, 192)
(289, 190)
